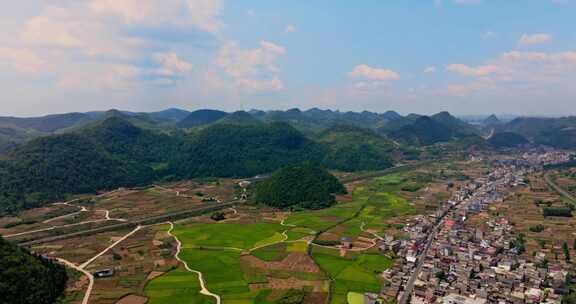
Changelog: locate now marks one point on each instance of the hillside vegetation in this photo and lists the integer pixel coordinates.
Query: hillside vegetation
(28, 279)
(356, 149)
(225, 150)
(301, 186)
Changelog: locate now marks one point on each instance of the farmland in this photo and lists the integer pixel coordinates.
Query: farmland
(256, 254)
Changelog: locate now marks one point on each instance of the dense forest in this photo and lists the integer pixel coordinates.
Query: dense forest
(29, 279)
(225, 150)
(304, 186)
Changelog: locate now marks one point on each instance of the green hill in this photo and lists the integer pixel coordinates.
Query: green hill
(28, 279)
(507, 140)
(200, 118)
(356, 149)
(48, 168)
(48, 123)
(423, 131)
(554, 132)
(301, 186)
(225, 150)
(239, 118)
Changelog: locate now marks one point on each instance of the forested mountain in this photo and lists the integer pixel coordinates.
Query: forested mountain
(302, 186)
(423, 131)
(225, 150)
(47, 124)
(507, 140)
(200, 118)
(355, 149)
(48, 168)
(555, 132)
(491, 120)
(455, 125)
(239, 118)
(120, 138)
(172, 114)
(28, 279)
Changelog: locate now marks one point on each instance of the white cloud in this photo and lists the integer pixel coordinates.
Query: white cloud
(430, 69)
(536, 71)
(290, 28)
(479, 71)
(252, 69)
(199, 13)
(538, 38)
(100, 77)
(22, 60)
(171, 64)
(368, 72)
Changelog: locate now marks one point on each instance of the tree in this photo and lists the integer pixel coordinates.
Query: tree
(218, 216)
(566, 251)
(29, 279)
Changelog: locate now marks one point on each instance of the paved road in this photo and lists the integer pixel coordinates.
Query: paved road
(412, 280)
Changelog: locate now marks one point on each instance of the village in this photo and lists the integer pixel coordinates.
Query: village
(446, 260)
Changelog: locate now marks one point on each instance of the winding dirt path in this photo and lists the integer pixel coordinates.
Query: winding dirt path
(86, 273)
(203, 289)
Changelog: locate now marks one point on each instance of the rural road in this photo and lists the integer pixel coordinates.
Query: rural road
(86, 273)
(85, 264)
(203, 289)
(559, 189)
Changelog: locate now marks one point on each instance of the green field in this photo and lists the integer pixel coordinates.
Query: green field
(241, 236)
(176, 286)
(353, 273)
(215, 249)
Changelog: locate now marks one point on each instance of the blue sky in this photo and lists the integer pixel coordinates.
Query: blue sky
(463, 56)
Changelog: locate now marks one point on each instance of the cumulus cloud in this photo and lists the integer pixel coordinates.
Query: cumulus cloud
(529, 69)
(171, 64)
(199, 13)
(371, 73)
(478, 71)
(538, 38)
(22, 60)
(252, 69)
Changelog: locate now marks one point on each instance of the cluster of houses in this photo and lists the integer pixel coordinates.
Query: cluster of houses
(548, 157)
(446, 260)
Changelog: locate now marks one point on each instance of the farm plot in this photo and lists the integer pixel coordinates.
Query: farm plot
(177, 286)
(356, 272)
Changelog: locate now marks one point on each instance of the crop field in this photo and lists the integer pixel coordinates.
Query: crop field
(231, 235)
(177, 286)
(543, 234)
(352, 273)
